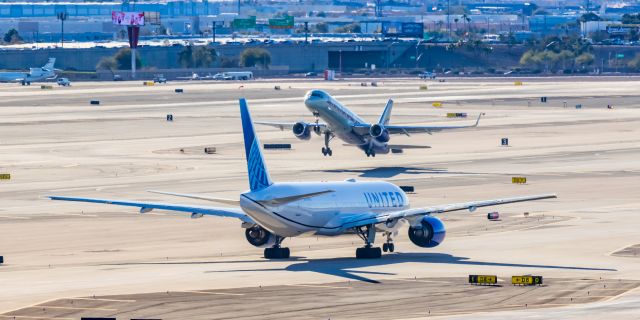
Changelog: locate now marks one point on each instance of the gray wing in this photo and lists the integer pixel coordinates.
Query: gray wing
(289, 125)
(427, 129)
(148, 206)
(471, 206)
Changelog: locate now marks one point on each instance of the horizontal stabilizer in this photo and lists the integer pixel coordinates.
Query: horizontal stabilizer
(199, 197)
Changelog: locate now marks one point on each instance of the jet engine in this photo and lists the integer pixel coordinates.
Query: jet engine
(428, 234)
(379, 133)
(301, 131)
(260, 237)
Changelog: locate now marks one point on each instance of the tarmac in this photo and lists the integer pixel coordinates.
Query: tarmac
(66, 260)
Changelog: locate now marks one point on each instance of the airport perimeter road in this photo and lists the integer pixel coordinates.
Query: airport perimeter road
(53, 142)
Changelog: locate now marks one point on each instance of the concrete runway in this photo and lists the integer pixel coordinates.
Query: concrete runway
(54, 142)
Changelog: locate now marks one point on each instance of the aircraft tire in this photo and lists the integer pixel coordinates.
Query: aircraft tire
(368, 253)
(277, 253)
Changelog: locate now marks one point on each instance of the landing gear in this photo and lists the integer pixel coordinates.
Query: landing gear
(277, 252)
(388, 246)
(368, 234)
(370, 153)
(326, 151)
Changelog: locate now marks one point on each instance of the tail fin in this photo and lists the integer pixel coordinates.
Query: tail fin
(258, 173)
(50, 63)
(386, 114)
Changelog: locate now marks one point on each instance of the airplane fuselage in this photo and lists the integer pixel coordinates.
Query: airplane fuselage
(341, 121)
(324, 214)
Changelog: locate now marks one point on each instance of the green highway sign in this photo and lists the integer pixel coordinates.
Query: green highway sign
(285, 22)
(244, 23)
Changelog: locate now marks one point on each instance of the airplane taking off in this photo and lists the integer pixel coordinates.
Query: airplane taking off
(272, 211)
(47, 72)
(349, 127)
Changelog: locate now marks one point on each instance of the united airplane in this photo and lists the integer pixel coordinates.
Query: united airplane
(273, 211)
(349, 127)
(47, 72)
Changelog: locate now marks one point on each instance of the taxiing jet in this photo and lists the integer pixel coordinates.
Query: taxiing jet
(272, 211)
(47, 72)
(349, 127)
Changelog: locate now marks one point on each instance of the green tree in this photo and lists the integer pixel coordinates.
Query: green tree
(197, 57)
(107, 63)
(185, 57)
(585, 59)
(589, 17)
(631, 18)
(349, 28)
(255, 57)
(12, 36)
(123, 59)
(321, 28)
(634, 63)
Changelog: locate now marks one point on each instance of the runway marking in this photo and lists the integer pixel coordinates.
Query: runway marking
(211, 293)
(317, 286)
(100, 299)
(73, 215)
(70, 308)
(12, 217)
(423, 281)
(27, 317)
(577, 297)
(156, 214)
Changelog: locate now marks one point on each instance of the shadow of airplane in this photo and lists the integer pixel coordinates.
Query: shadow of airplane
(388, 172)
(347, 267)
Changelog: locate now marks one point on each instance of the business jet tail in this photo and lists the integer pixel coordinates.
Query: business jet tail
(258, 174)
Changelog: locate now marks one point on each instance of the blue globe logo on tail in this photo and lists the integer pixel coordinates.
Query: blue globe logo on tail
(257, 170)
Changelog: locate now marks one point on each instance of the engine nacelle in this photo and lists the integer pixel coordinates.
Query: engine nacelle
(379, 133)
(302, 131)
(429, 233)
(260, 237)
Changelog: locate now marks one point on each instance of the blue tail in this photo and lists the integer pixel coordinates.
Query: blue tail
(258, 173)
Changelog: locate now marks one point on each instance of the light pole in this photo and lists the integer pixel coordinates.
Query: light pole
(62, 16)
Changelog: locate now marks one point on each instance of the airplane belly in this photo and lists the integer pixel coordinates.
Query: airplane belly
(282, 223)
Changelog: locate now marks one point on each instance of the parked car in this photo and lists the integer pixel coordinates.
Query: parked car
(159, 78)
(427, 75)
(311, 74)
(117, 77)
(63, 82)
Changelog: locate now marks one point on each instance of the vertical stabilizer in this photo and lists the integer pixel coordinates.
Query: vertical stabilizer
(386, 114)
(257, 170)
(50, 63)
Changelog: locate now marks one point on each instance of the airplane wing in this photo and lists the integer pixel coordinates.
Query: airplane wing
(406, 130)
(289, 125)
(360, 221)
(148, 206)
(199, 197)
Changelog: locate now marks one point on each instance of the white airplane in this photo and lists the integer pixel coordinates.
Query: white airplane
(47, 72)
(271, 212)
(349, 127)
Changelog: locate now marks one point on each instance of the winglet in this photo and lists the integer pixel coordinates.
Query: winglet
(258, 174)
(478, 121)
(386, 114)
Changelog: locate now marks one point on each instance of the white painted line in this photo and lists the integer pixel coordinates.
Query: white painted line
(423, 281)
(15, 217)
(71, 308)
(40, 318)
(317, 286)
(212, 293)
(100, 299)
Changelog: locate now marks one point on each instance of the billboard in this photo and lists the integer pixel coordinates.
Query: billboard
(285, 22)
(244, 23)
(121, 18)
(403, 29)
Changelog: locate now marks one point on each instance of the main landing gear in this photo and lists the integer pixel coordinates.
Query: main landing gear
(368, 234)
(370, 153)
(388, 246)
(326, 151)
(277, 252)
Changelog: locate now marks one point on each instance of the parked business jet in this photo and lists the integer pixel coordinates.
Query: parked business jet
(47, 72)
(349, 127)
(271, 211)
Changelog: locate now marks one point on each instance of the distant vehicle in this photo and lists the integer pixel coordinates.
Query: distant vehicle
(159, 78)
(117, 77)
(372, 138)
(311, 74)
(46, 72)
(272, 211)
(234, 75)
(427, 75)
(63, 82)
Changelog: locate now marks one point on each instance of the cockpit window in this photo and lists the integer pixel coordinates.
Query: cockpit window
(317, 94)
